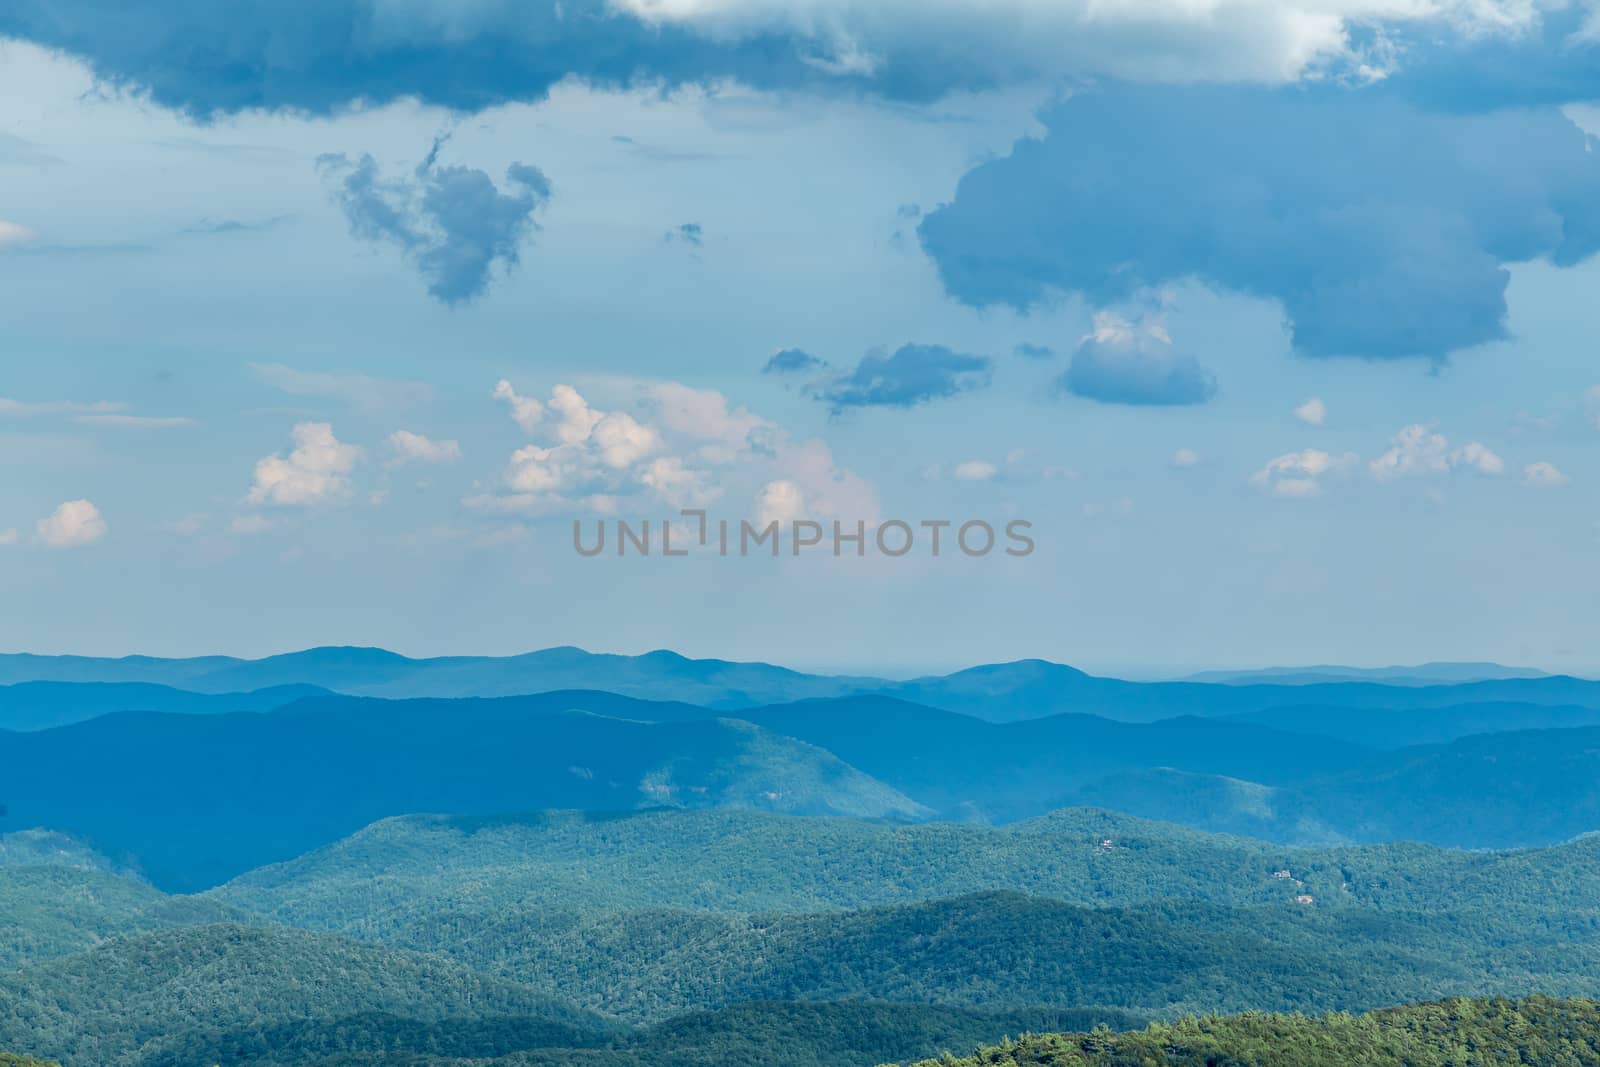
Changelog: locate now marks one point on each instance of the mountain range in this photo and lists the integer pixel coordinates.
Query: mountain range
(997, 692)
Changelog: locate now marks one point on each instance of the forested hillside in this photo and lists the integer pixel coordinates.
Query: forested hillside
(1535, 1032)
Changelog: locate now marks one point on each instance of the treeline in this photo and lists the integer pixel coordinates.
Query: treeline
(1535, 1032)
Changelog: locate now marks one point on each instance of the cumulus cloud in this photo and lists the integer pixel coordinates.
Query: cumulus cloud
(320, 56)
(362, 393)
(1543, 475)
(1300, 474)
(1134, 362)
(974, 470)
(781, 501)
(9, 537)
(1313, 412)
(792, 361)
(73, 524)
(1382, 229)
(1185, 457)
(913, 374)
(527, 411)
(408, 447)
(1418, 451)
(453, 223)
(687, 448)
(316, 471)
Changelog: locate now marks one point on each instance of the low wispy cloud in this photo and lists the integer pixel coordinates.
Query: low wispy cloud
(361, 393)
(407, 447)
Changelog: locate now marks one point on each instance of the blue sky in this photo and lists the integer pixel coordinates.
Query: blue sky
(1275, 320)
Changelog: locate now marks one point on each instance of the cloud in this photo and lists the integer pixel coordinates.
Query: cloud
(679, 486)
(12, 233)
(135, 422)
(322, 56)
(250, 525)
(407, 447)
(1185, 457)
(316, 471)
(687, 448)
(1123, 362)
(974, 470)
(792, 361)
(527, 411)
(1299, 474)
(73, 524)
(1032, 351)
(9, 537)
(363, 394)
(913, 374)
(1591, 405)
(18, 151)
(22, 409)
(1417, 451)
(1381, 229)
(781, 501)
(1313, 412)
(1543, 475)
(689, 233)
(453, 223)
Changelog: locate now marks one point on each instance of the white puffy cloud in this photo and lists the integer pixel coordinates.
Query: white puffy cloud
(578, 419)
(408, 447)
(974, 470)
(621, 441)
(525, 410)
(1544, 475)
(1417, 451)
(780, 501)
(1479, 458)
(686, 448)
(1313, 412)
(71, 525)
(680, 486)
(1299, 474)
(317, 470)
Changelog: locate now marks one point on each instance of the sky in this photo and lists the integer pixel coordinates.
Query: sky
(323, 323)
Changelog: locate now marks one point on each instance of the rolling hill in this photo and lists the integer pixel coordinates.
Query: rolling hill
(1536, 1032)
(41, 705)
(181, 996)
(199, 799)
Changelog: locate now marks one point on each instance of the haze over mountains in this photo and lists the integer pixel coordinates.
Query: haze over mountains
(997, 692)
